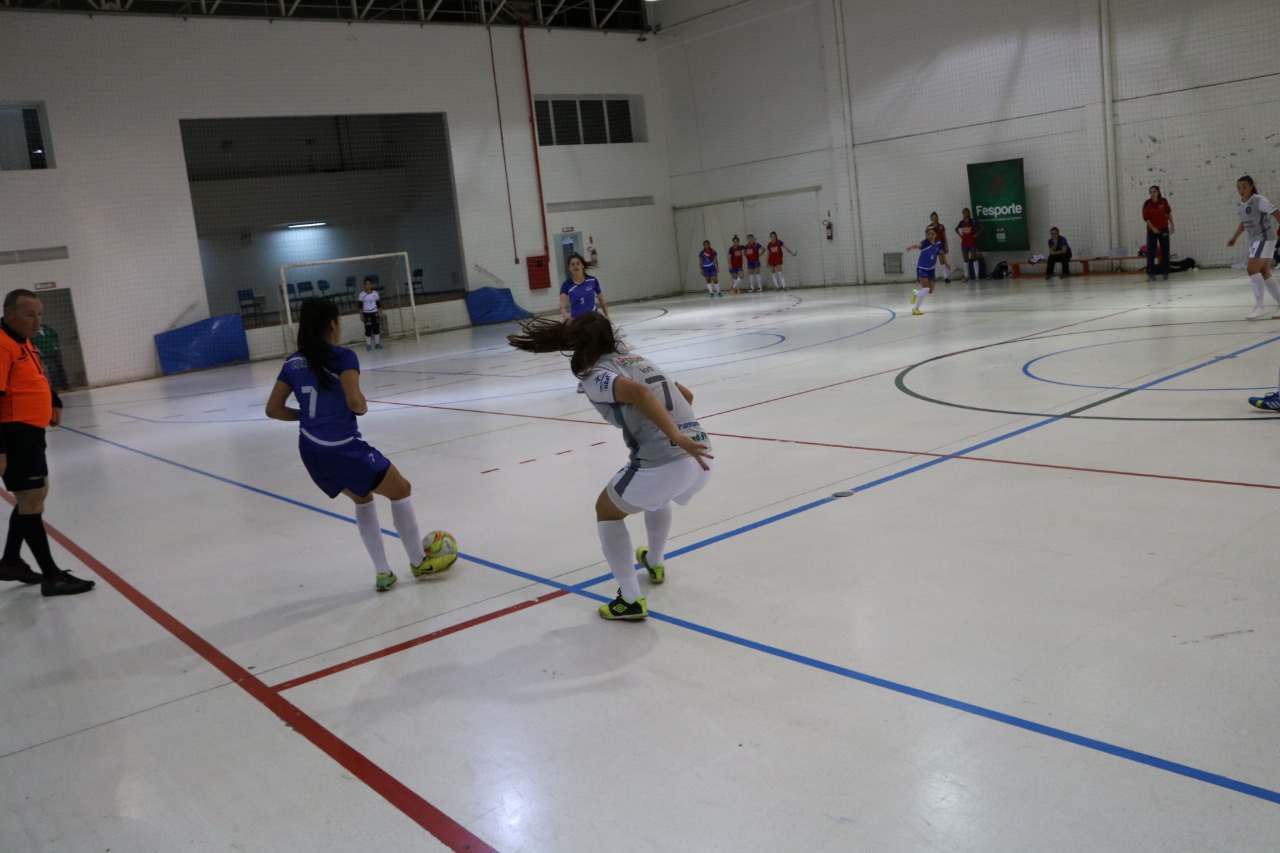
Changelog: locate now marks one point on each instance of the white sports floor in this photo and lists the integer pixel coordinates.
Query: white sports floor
(1046, 618)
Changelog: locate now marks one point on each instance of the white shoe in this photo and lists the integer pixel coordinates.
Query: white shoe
(1257, 314)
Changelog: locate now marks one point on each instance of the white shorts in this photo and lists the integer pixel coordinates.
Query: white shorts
(1262, 248)
(635, 490)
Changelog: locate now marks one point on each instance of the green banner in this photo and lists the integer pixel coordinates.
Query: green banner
(998, 199)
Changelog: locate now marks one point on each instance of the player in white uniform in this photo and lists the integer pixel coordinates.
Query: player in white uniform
(669, 450)
(1255, 217)
(369, 314)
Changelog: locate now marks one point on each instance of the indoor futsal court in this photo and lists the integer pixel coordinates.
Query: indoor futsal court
(1041, 617)
(990, 571)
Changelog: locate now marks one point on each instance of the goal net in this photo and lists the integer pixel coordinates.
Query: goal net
(341, 280)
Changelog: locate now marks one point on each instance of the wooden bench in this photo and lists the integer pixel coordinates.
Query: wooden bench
(1015, 267)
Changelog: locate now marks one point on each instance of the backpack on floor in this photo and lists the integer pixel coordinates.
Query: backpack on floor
(1182, 265)
(999, 271)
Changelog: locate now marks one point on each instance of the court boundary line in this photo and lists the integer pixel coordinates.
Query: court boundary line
(400, 796)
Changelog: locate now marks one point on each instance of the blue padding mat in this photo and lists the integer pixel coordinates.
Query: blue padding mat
(208, 343)
(493, 305)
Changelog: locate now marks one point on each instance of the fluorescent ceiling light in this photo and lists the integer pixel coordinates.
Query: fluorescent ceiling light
(305, 225)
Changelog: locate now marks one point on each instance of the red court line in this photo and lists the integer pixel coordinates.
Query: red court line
(992, 460)
(450, 833)
(417, 641)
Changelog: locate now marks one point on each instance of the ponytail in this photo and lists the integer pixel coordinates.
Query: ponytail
(314, 321)
(585, 339)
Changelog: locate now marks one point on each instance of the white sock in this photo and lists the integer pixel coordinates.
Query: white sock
(615, 541)
(377, 339)
(717, 287)
(1273, 289)
(773, 277)
(709, 290)
(368, 342)
(406, 522)
(756, 282)
(920, 295)
(371, 533)
(1255, 281)
(657, 526)
(782, 278)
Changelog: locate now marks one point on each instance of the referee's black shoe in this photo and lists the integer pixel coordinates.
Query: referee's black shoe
(63, 583)
(18, 570)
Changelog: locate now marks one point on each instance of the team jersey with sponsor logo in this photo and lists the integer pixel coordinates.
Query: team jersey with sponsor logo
(325, 418)
(751, 252)
(708, 259)
(649, 446)
(775, 253)
(735, 257)
(969, 233)
(1255, 215)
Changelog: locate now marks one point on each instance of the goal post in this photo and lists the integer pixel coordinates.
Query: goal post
(341, 279)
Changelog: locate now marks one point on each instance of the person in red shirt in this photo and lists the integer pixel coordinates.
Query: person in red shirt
(751, 252)
(941, 232)
(28, 406)
(775, 248)
(1159, 218)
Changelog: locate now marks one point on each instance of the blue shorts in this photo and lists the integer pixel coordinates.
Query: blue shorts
(921, 272)
(755, 266)
(735, 270)
(709, 272)
(356, 465)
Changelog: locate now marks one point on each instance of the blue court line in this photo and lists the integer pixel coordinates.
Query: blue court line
(835, 669)
(986, 713)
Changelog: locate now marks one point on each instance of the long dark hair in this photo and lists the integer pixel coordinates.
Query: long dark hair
(1252, 185)
(585, 339)
(314, 321)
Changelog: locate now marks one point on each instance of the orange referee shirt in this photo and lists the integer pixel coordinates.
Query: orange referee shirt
(28, 398)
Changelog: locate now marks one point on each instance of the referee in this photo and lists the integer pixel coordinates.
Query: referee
(28, 406)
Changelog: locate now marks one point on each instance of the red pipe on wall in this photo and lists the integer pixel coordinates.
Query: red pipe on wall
(533, 128)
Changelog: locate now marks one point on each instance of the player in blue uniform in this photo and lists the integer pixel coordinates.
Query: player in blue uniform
(669, 450)
(710, 268)
(325, 380)
(931, 254)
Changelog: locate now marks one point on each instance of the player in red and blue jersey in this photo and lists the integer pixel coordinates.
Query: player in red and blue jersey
(735, 264)
(710, 268)
(324, 378)
(969, 230)
(931, 254)
(751, 252)
(775, 248)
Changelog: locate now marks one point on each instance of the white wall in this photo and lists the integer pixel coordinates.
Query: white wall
(765, 97)
(114, 90)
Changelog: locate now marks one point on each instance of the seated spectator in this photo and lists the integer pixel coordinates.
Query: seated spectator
(1059, 253)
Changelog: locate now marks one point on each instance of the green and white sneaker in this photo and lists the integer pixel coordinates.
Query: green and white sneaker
(620, 608)
(658, 573)
(383, 581)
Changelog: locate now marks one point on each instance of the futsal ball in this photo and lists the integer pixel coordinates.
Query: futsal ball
(441, 549)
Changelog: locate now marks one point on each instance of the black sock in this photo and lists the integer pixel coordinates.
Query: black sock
(38, 541)
(13, 544)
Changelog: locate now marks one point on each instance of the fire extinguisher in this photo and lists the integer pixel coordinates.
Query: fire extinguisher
(826, 223)
(594, 259)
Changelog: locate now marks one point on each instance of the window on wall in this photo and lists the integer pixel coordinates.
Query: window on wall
(602, 120)
(22, 139)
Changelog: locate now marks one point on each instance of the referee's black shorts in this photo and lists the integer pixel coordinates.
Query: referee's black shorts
(25, 466)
